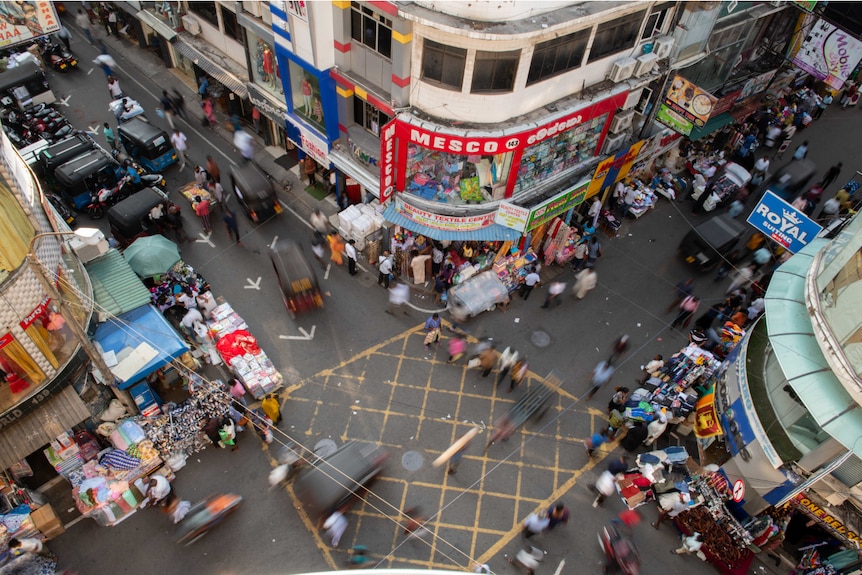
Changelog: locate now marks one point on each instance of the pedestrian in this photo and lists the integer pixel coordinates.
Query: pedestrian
(801, 151)
(335, 525)
(175, 221)
(112, 23)
(585, 280)
(605, 483)
(507, 360)
(179, 102)
(851, 95)
(432, 330)
(580, 256)
(310, 170)
(318, 241)
(457, 347)
(216, 192)
(213, 170)
(318, 221)
(158, 489)
(110, 136)
(618, 399)
(350, 250)
(602, 373)
(742, 278)
(231, 224)
(594, 251)
(181, 145)
(595, 441)
(65, 37)
(455, 460)
(106, 63)
(554, 291)
(437, 257)
(519, 373)
(255, 118)
(114, 88)
(619, 348)
(487, 360)
(681, 290)
(83, 22)
(439, 288)
(384, 270)
(531, 280)
(822, 104)
(679, 505)
(167, 108)
(202, 210)
(30, 545)
(691, 544)
(336, 246)
(209, 112)
(413, 526)
(203, 87)
(761, 167)
(535, 524)
(557, 513)
(399, 295)
(687, 308)
(831, 175)
(656, 428)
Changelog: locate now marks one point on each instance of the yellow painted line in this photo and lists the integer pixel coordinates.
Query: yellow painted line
(315, 532)
(402, 38)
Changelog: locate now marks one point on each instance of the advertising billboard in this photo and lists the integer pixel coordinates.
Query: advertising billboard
(24, 21)
(828, 53)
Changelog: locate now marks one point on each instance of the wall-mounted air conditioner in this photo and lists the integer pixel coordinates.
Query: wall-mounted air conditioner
(623, 69)
(622, 121)
(191, 25)
(632, 99)
(662, 46)
(613, 142)
(645, 64)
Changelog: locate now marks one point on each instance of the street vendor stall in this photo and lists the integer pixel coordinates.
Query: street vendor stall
(513, 266)
(193, 190)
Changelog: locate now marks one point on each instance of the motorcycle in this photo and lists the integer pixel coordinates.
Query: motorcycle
(205, 515)
(620, 551)
(107, 197)
(60, 59)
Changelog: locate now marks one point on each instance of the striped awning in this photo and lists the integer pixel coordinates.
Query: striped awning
(214, 69)
(492, 233)
(63, 411)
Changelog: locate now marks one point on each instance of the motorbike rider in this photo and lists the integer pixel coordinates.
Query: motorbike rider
(132, 173)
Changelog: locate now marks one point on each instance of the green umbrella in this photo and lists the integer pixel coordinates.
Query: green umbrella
(152, 255)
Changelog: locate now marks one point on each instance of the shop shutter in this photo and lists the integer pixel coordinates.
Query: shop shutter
(850, 472)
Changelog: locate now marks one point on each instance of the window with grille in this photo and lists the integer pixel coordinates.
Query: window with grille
(443, 65)
(206, 10)
(657, 20)
(616, 35)
(367, 116)
(559, 55)
(371, 29)
(495, 71)
(231, 27)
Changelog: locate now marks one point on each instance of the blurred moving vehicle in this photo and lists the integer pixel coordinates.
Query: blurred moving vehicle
(296, 278)
(254, 192)
(708, 243)
(205, 515)
(336, 481)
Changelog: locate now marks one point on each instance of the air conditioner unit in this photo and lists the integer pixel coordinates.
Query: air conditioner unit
(662, 46)
(613, 142)
(623, 69)
(622, 121)
(191, 25)
(632, 99)
(645, 64)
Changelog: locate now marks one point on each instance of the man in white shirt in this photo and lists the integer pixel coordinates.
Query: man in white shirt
(760, 167)
(709, 172)
(399, 294)
(181, 145)
(192, 317)
(350, 250)
(157, 490)
(30, 545)
(384, 269)
(531, 281)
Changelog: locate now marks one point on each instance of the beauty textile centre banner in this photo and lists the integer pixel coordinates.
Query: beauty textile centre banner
(827, 52)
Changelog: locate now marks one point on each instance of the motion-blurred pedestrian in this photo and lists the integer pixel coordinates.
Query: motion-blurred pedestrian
(519, 373)
(335, 525)
(681, 290)
(213, 169)
(399, 295)
(535, 524)
(554, 291)
(687, 308)
(619, 349)
(507, 360)
(167, 108)
(557, 514)
(318, 221)
(457, 347)
(83, 22)
(595, 441)
(179, 102)
(336, 247)
(232, 226)
(318, 241)
(487, 359)
(602, 373)
(585, 280)
(181, 146)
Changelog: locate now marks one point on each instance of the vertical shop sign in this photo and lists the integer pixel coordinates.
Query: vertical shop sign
(387, 161)
(829, 54)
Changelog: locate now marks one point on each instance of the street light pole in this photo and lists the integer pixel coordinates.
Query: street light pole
(55, 295)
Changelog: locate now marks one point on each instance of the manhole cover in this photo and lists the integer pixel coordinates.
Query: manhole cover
(540, 339)
(325, 448)
(412, 460)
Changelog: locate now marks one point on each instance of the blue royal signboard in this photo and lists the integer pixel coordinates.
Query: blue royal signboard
(783, 223)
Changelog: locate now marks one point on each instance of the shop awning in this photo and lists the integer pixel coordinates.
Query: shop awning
(161, 28)
(345, 162)
(54, 416)
(712, 125)
(492, 233)
(208, 64)
(142, 341)
(116, 288)
(794, 344)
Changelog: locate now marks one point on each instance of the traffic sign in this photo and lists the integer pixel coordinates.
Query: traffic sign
(738, 490)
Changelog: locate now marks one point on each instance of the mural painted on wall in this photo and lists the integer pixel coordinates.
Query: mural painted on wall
(307, 103)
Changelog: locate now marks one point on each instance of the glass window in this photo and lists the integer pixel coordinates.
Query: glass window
(558, 55)
(305, 89)
(443, 65)
(371, 29)
(16, 231)
(265, 66)
(616, 35)
(231, 28)
(656, 20)
(206, 10)
(456, 179)
(367, 116)
(495, 71)
(18, 372)
(555, 155)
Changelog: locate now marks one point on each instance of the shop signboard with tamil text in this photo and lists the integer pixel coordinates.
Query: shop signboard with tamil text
(557, 205)
(783, 223)
(827, 52)
(512, 216)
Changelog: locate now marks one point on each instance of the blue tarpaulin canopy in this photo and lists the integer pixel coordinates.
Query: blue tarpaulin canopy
(137, 343)
(494, 232)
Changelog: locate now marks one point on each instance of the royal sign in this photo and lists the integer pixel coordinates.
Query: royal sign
(783, 223)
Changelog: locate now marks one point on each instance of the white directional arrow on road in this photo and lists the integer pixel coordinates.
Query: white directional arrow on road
(93, 130)
(304, 337)
(251, 284)
(65, 101)
(205, 239)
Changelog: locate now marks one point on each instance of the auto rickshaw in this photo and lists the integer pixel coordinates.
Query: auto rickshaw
(147, 144)
(58, 154)
(296, 279)
(711, 241)
(130, 218)
(254, 192)
(90, 171)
